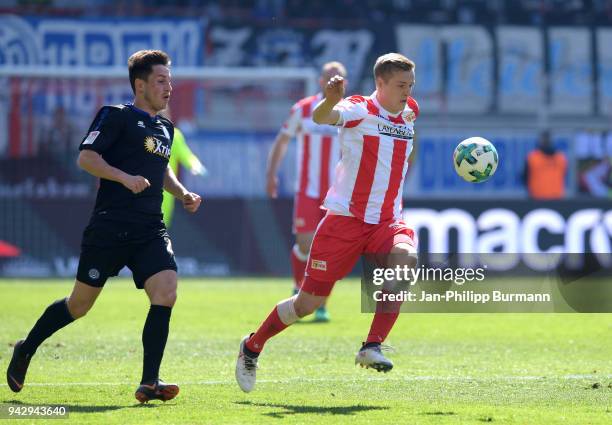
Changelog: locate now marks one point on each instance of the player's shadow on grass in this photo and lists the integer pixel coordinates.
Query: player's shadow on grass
(438, 413)
(290, 409)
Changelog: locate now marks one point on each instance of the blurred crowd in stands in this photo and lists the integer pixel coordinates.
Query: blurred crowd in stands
(590, 156)
(544, 175)
(593, 153)
(317, 12)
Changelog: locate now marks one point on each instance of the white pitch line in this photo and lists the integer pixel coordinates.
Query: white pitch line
(355, 380)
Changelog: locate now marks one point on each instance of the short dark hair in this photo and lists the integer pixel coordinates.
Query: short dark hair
(387, 64)
(140, 64)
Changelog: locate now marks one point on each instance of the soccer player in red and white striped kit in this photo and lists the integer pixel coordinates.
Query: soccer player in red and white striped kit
(318, 151)
(363, 207)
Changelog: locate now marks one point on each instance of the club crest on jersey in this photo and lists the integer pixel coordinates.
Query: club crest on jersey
(156, 147)
(409, 116)
(141, 124)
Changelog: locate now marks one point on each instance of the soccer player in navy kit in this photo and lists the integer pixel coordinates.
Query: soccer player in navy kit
(127, 147)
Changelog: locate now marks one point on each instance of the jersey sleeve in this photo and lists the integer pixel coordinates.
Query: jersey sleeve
(104, 130)
(352, 111)
(292, 124)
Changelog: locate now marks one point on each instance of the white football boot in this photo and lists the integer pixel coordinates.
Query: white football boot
(372, 357)
(246, 369)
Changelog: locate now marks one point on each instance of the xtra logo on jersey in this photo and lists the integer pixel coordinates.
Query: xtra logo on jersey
(156, 147)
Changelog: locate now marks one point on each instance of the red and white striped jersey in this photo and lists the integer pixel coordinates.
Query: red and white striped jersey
(375, 149)
(318, 149)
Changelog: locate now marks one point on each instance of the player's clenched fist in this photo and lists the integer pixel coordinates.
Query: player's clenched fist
(334, 90)
(136, 184)
(191, 202)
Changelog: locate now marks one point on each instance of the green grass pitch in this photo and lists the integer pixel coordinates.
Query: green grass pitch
(449, 368)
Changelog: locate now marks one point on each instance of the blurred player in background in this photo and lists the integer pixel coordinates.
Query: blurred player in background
(318, 151)
(127, 147)
(364, 207)
(180, 154)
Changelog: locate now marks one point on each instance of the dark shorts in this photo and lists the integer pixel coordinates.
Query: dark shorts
(109, 246)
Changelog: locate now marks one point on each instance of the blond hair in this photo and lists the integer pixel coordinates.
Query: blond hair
(387, 64)
(333, 65)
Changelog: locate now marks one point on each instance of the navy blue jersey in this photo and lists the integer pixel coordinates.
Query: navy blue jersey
(131, 140)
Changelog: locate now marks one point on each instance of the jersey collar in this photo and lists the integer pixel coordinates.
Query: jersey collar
(140, 111)
(383, 110)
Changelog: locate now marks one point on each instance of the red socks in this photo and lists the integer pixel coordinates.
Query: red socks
(270, 327)
(386, 314)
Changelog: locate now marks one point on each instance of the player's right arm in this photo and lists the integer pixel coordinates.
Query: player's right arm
(94, 164)
(103, 133)
(325, 112)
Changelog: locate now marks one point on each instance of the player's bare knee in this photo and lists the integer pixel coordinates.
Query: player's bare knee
(77, 314)
(78, 308)
(171, 298)
(165, 296)
(161, 288)
(304, 310)
(167, 300)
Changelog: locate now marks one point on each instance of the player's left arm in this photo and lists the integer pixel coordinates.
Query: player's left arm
(191, 201)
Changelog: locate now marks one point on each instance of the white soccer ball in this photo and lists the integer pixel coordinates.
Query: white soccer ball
(475, 159)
